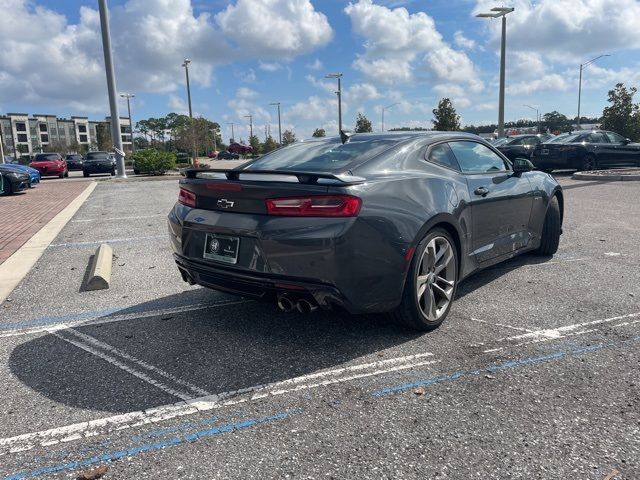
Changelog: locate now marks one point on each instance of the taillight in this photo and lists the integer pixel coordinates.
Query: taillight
(187, 198)
(315, 206)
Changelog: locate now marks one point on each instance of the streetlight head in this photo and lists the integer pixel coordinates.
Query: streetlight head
(186, 62)
(333, 75)
(275, 103)
(503, 10)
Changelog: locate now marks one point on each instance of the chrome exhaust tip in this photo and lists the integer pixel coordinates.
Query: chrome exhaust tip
(304, 306)
(285, 304)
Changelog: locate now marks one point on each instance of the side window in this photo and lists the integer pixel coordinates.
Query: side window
(596, 138)
(531, 141)
(517, 141)
(614, 137)
(474, 157)
(442, 155)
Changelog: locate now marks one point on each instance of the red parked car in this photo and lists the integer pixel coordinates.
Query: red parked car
(50, 164)
(240, 149)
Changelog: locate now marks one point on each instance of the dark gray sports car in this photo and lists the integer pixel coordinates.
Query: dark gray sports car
(368, 222)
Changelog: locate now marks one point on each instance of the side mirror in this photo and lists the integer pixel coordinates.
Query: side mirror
(626, 141)
(521, 165)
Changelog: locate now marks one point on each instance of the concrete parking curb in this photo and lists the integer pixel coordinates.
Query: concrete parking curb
(100, 270)
(16, 267)
(613, 177)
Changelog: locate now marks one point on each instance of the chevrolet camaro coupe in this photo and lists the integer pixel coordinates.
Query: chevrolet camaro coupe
(365, 222)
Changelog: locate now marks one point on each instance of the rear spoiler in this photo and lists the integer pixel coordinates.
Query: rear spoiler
(309, 178)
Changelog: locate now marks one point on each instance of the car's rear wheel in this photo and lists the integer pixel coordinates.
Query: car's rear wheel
(589, 163)
(66, 174)
(85, 174)
(431, 283)
(551, 229)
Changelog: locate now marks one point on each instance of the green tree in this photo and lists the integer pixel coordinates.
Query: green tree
(103, 137)
(288, 137)
(319, 132)
(363, 124)
(446, 118)
(254, 141)
(622, 116)
(269, 144)
(556, 121)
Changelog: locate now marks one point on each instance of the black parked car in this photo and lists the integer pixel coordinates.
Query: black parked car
(370, 223)
(587, 151)
(13, 180)
(98, 162)
(227, 156)
(74, 162)
(520, 145)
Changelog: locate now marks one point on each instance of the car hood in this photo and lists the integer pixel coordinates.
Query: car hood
(20, 168)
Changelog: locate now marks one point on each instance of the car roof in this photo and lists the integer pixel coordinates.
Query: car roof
(401, 136)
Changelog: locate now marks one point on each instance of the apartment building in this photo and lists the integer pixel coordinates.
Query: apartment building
(24, 135)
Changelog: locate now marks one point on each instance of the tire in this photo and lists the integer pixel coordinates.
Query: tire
(66, 174)
(7, 188)
(113, 173)
(550, 238)
(85, 174)
(589, 163)
(61, 175)
(414, 311)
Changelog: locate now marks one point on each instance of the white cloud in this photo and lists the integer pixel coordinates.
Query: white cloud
(552, 82)
(269, 66)
(246, 93)
(315, 65)
(150, 40)
(313, 109)
(178, 104)
(398, 43)
(463, 42)
(569, 30)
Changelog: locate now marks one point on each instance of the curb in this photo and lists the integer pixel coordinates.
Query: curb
(18, 265)
(100, 269)
(606, 178)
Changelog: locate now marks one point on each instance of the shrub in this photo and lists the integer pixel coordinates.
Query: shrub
(153, 161)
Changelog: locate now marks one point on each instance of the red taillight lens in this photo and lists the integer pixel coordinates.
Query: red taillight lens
(187, 198)
(315, 206)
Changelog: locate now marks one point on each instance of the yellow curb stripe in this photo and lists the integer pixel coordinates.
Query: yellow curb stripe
(16, 267)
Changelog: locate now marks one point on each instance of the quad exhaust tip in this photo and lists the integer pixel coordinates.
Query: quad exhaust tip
(305, 306)
(287, 304)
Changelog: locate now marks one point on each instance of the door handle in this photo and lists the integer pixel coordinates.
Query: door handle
(481, 191)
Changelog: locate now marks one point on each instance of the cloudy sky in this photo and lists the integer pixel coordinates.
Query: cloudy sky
(248, 53)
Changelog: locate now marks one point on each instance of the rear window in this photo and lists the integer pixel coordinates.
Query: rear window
(46, 156)
(97, 156)
(73, 157)
(326, 155)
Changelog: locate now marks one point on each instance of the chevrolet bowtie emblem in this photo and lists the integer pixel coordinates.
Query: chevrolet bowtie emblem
(224, 203)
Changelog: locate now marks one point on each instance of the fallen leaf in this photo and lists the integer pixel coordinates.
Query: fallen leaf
(490, 377)
(93, 474)
(614, 473)
(419, 391)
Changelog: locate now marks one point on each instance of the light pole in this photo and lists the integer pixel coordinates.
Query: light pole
(383, 109)
(129, 96)
(339, 93)
(250, 117)
(279, 124)
(186, 71)
(582, 67)
(537, 115)
(111, 87)
(496, 13)
(233, 135)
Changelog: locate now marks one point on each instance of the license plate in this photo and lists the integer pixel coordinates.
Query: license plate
(544, 152)
(221, 248)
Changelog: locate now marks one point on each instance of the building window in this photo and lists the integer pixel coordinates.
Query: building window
(33, 131)
(22, 138)
(82, 128)
(44, 138)
(43, 127)
(21, 127)
(83, 139)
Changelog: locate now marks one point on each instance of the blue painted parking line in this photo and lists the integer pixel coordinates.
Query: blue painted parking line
(506, 366)
(149, 447)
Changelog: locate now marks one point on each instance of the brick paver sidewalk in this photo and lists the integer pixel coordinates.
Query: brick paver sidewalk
(23, 214)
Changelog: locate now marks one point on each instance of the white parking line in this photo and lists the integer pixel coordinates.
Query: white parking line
(103, 319)
(520, 329)
(109, 219)
(117, 363)
(123, 355)
(129, 420)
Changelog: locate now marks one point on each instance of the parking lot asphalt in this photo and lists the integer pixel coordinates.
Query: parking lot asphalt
(535, 373)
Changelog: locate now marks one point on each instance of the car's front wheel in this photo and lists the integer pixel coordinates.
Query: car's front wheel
(431, 283)
(85, 174)
(589, 163)
(550, 238)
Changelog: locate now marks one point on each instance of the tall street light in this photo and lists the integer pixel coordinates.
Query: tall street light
(111, 88)
(498, 12)
(582, 67)
(383, 109)
(129, 96)
(537, 115)
(250, 117)
(279, 123)
(233, 135)
(339, 93)
(186, 71)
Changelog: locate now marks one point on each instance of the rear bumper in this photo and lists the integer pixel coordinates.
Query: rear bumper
(98, 168)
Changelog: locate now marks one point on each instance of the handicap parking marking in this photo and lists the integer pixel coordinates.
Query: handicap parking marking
(103, 426)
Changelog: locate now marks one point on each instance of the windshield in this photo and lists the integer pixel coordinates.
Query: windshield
(558, 139)
(45, 156)
(500, 141)
(320, 156)
(97, 156)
